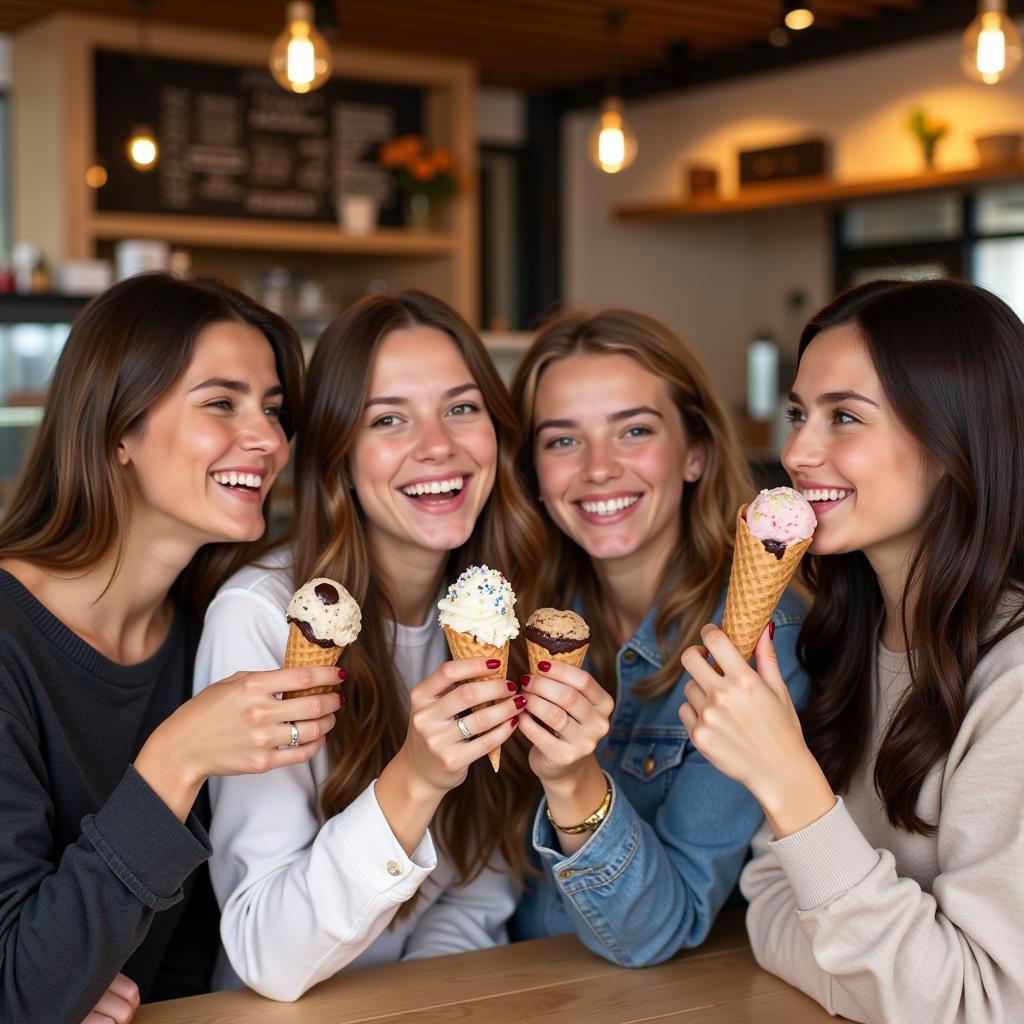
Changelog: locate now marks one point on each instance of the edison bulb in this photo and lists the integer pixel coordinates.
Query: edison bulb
(612, 143)
(142, 148)
(990, 50)
(300, 59)
(96, 175)
(798, 17)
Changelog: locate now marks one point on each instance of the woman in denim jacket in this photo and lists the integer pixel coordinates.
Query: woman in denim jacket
(640, 474)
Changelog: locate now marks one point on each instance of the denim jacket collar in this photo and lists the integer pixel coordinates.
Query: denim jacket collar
(644, 641)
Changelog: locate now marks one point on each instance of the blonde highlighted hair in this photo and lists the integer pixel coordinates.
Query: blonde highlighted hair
(693, 579)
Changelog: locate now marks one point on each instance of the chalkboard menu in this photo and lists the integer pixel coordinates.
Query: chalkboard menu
(233, 143)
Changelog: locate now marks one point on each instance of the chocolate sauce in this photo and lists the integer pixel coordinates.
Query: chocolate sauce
(307, 630)
(326, 593)
(553, 644)
(774, 547)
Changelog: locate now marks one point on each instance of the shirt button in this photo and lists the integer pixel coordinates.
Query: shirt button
(394, 868)
(565, 874)
(628, 657)
(648, 766)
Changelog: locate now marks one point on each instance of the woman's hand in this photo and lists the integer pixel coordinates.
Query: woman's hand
(235, 727)
(744, 723)
(436, 750)
(436, 755)
(566, 715)
(117, 1005)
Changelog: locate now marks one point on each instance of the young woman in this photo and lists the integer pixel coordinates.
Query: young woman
(640, 476)
(165, 427)
(397, 840)
(902, 899)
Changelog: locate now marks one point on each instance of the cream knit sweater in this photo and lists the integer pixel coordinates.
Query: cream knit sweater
(880, 925)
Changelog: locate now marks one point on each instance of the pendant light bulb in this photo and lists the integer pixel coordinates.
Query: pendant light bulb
(798, 16)
(990, 50)
(300, 59)
(612, 144)
(142, 148)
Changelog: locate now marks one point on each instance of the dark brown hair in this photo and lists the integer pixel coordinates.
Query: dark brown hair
(488, 813)
(126, 349)
(699, 569)
(950, 358)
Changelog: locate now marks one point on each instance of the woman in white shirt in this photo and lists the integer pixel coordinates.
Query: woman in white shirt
(397, 840)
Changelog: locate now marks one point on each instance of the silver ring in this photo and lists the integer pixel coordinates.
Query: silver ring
(463, 728)
(294, 741)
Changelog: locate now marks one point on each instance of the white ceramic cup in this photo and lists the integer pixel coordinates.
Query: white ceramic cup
(357, 212)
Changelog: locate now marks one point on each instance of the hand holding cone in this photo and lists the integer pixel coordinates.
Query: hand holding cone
(479, 622)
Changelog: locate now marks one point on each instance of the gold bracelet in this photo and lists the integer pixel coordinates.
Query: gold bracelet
(590, 824)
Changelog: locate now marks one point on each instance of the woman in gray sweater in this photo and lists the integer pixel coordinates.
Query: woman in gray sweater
(888, 881)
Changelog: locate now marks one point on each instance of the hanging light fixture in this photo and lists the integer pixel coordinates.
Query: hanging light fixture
(797, 16)
(990, 50)
(612, 144)
(96, 174)
(300, 58)
(142, 147)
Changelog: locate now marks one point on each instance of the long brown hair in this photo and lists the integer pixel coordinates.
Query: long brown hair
(488, 813)
(950, 358)
(698, 570)
(125, 350)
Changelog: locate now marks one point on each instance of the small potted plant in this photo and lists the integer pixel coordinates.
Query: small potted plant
(927, 130)
(423, 175)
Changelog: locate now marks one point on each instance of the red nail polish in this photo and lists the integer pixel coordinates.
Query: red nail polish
(771, 630)
(514, 721)
(342, 674)
(524, 680)
(493, 663)
(544, 666)
(344, 699)
(520, 703)
(512, 688)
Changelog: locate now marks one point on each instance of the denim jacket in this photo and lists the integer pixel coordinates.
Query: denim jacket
(652, 878)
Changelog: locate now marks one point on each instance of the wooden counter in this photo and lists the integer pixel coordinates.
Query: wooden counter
(549, 980)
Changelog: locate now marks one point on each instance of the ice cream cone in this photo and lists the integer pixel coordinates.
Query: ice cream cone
(756, 582)
(300, 653)
(465, 645)
(536, 653)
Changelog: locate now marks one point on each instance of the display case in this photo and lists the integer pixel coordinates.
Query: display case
(33, 329)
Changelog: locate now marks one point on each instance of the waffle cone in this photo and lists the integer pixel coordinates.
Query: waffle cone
(756, 582)
(465, 645)
(300, 653)
(536, 653)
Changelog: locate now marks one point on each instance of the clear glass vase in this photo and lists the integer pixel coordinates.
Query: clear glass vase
(418, 212)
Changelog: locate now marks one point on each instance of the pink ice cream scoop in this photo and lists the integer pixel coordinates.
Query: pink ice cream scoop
(780, 517)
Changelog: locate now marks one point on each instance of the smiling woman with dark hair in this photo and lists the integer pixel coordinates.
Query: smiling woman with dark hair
(902, 898)
(165, 426)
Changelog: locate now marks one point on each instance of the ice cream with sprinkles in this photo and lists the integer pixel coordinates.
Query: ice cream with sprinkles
(480, 602)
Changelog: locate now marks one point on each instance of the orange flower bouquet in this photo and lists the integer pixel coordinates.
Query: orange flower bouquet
(422, 175)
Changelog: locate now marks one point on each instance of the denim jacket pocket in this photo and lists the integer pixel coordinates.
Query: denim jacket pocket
(652, 751)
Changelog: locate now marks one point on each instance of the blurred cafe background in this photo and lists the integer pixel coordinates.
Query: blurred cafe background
(724, 166)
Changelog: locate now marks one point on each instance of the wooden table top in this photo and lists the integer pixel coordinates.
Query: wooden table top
(543, 981)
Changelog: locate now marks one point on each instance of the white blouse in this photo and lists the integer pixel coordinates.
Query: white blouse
(303, 898)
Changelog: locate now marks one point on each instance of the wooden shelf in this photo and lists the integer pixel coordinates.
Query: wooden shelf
(779, 195)
(234, 233)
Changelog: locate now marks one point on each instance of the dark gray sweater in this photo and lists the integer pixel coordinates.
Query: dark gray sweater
(94, 868)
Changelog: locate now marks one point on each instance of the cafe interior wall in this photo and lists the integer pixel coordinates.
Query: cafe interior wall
(718, 281)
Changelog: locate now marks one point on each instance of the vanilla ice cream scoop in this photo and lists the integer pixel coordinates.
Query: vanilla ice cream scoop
(480, 603)
(326, 613)
(780, 517)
